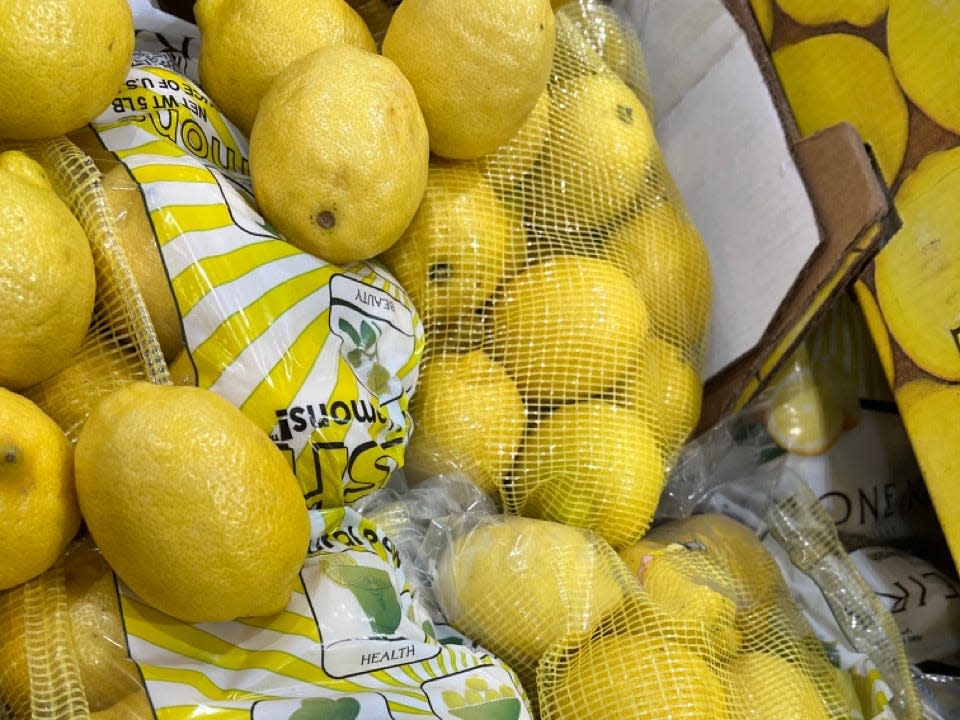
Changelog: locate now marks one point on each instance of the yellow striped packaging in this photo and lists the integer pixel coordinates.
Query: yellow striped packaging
(323, 358)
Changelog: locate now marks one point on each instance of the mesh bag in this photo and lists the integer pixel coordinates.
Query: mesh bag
(695, 621)
(565, 295)
(121, 344)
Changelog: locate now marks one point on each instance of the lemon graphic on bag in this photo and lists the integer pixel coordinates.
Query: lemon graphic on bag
(339, 154)
(47, 281)
(479, 701)
(62, 62)
(477, 68)
(246, 43)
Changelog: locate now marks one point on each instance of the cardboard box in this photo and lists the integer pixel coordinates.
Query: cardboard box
(920, 268)
(781, 249)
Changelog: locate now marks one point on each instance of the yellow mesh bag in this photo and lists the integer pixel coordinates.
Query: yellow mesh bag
(565, 295)
(50, 633)
(697, 641)
(121, 343)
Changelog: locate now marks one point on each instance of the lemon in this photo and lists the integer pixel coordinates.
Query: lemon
(667, 391)
(922, 40)
(518, 586)
(467, 413)
(569, 327)
(339, 154)
(661, 249)
(600, 150)
(693, 601)
(917, 272)
(69, 396)
(190, 503)
(593, 465)
(96, 627)
(62, 62)
(459, 246)
(511, 162)
(139, 246)
(840, 77)
(624, 676)
(40, 511)
(616, 44)
(246, 43)
(47, 281)
(477, 68)
(803, 417)
(764, 685)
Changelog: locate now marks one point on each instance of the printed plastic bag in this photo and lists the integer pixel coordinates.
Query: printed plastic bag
(322, 358)
(354, 642)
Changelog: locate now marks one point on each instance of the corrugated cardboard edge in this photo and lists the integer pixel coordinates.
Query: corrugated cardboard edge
(856, 216)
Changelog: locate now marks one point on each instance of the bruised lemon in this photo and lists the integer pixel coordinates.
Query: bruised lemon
(478, 68)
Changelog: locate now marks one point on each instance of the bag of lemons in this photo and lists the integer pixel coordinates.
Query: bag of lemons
(353, 642)
(321, 357)
(565, 295)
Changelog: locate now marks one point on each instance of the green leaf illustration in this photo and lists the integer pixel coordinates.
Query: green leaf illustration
(327, 709)
(355, 357)
(347, 328)
(367, 334)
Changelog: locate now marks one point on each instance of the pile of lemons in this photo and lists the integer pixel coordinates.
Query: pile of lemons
(498, 157)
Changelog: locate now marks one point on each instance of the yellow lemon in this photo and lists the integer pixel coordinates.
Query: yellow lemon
(139, 247)
(246, 43)
(666, 390)
(339, 154)
(62, 62)
(96, 627)
(642, 678)
(459, 246)
(569, 327)
(509, 164)
(518, 586)
(660, 247)
(918, 271)
(764, 685)
(592, 465)
(477, 68)
(69, 396)
(804, 418)
(600, 150)
(825, 12)
(47, 281)
(840, 77)
(467, 414)
(923, 39)
(37, 493)
(161, 470)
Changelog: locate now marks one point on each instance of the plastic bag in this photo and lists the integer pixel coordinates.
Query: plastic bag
(353, 640)
(322, 358)
(565, 295)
